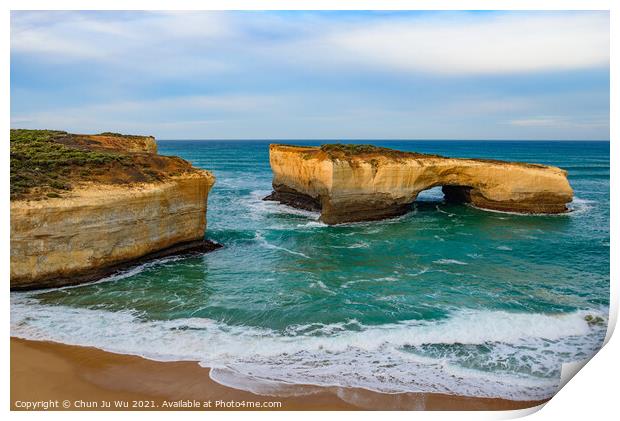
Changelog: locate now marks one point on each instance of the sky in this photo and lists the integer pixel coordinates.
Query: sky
(313, 75)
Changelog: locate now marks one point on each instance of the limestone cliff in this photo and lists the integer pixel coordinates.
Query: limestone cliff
(349, 183)
(114, 141)
(111, 210)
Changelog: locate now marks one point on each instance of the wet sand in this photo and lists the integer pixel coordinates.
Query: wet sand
(57, 375)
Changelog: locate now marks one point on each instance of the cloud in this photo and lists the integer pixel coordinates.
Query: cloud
(321, 116)
(112, 36)
(313, 74)
(538, 122)
(561, 122)
(465, 45)
(156, 111)
(452, 44)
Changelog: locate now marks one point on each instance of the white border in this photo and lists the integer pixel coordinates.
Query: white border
(312, 5)
(592, 395)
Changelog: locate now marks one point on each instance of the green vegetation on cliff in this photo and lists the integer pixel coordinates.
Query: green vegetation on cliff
(346, 151)
(114, 134)
(39, 160)
(351, 149)
(48, 163)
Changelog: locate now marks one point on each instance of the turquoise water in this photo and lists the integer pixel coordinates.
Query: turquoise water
(447, 298)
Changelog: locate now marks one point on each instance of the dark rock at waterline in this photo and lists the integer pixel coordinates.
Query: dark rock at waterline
(188, 248)
(290, 197)
(594, 320)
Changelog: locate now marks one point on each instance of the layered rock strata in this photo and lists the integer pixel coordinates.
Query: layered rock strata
(350, 183)
(99, 227)
(114, 141)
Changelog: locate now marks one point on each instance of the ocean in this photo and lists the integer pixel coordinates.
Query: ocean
(447, 298)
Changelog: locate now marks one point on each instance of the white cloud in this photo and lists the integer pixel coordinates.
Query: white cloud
(560, 122)
(153, 113)
(249, 75)
(453, 44)
(537, 122)
(113, 37)
(470, 45)
(320, 116)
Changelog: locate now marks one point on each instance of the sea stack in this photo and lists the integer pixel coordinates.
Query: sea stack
(351, 183)
(84, 206)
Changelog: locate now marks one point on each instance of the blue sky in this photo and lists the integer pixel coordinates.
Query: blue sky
(313, 75)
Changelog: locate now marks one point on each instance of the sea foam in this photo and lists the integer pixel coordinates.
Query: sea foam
(387, 358)
(449, 262)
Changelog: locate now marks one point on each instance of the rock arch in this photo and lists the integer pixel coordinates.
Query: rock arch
(350, 183)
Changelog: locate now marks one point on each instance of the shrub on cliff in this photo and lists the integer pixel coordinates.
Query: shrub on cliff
(38, 160)
(47, 163)
(346, 151)
(114, 134)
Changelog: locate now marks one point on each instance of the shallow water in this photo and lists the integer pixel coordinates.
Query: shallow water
(446, 298)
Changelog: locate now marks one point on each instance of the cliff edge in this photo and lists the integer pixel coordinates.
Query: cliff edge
(350, 183)
(84, 206)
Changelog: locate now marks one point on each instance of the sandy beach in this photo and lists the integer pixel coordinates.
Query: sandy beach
(63, 377)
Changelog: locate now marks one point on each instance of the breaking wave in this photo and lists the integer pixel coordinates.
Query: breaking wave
(472, 352)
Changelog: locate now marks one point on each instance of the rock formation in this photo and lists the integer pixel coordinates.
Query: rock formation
(114, 141)
(110, 210)
(349, 183)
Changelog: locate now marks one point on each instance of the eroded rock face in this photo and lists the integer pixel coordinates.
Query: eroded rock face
(71, 240)
(349, 183)
(114, 141)
(99, 203)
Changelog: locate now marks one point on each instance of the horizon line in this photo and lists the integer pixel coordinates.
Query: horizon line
(373, 139)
